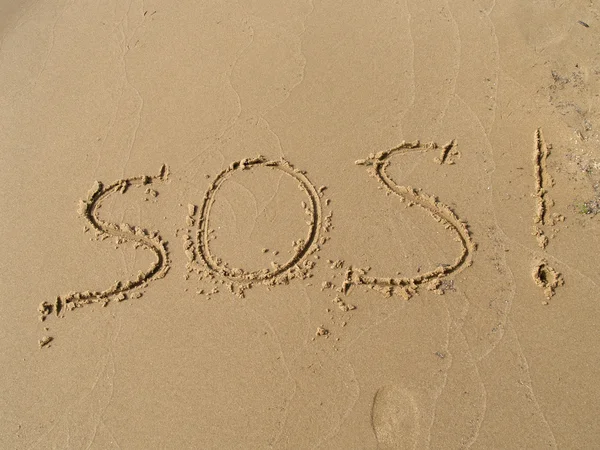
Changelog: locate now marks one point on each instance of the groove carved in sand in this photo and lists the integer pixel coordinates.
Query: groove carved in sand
(446, 152)
(544, 276)
(141, 237)
(205, 263)
(542, 179)
(377, 165)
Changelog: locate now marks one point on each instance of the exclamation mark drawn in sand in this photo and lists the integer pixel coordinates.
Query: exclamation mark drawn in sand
(546, 278)
(210, 267)
(140, 237)
(543, 275)
(542, 179)
(407, 286)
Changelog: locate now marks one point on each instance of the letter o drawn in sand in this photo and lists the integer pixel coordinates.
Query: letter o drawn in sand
(294, 267)
(377, 166)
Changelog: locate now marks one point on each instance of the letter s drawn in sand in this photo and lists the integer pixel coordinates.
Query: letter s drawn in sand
(377, 165)
(149, 240)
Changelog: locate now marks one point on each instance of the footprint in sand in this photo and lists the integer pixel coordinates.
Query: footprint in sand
(394, 418)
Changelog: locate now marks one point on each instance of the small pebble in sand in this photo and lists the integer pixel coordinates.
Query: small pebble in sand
(322, 331)
(45, 341)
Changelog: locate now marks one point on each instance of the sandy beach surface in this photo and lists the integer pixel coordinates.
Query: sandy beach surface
(300, 224)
